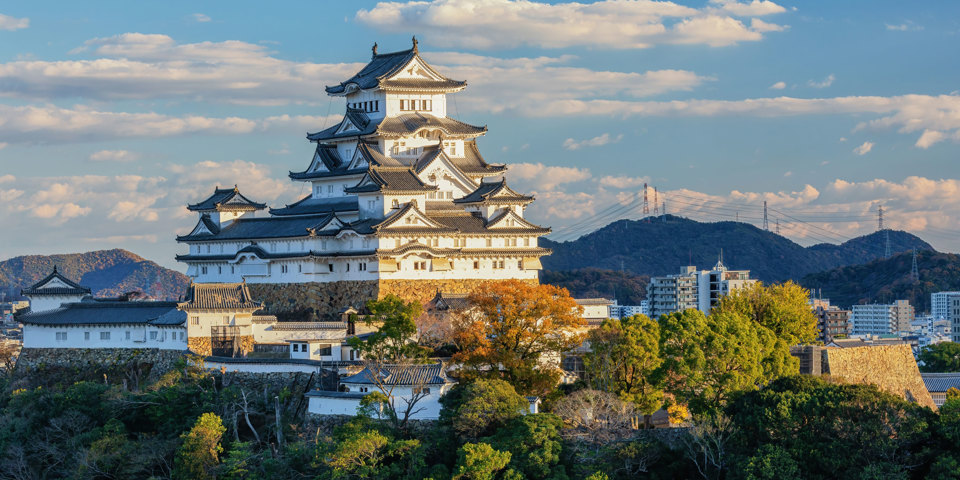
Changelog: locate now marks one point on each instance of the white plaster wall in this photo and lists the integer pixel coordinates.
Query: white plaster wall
(42, 303)
(439, 107)
(167, 338)
(261, 367)
(332, 406)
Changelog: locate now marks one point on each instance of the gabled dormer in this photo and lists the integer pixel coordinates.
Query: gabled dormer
(52, 291)
(408, 218)
(509, 220)
(397, 71)
(226, 205)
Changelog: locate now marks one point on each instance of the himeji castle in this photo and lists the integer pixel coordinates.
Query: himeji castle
(401, 201)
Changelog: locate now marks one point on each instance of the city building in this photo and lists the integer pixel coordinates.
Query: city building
(953, 316)
(595, 310)
(692, 288)
(832, 321)
(940, 304)
(623, 311)
(882, 319)
(400, 201)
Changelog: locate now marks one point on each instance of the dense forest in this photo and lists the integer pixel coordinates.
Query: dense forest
(889, 279)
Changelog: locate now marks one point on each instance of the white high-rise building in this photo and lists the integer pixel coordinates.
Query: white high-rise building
(882, 319)
(695, 289)
(940, 304)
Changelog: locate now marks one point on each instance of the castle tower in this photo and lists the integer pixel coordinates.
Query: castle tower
(401, 201)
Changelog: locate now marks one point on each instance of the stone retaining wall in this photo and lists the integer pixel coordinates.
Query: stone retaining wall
(133, 366)
(424, 290)
(890, 367)
(324, 299)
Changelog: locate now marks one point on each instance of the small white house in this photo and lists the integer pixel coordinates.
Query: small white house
(403, 383)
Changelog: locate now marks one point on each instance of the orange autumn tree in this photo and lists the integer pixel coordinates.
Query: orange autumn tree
(518, 332)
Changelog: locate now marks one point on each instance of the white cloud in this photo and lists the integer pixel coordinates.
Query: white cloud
(788, 174)
(822, 84)
(760, 26)
(538, 177)
(138, 66)
(864, 148)
(752, 9)
(608, 24)
(201, 18)
(622, 182)
(7, 178)
(904, 27)
(10, 23)
(928, 138)
(778, 86)
(598, 141)
(113, 156)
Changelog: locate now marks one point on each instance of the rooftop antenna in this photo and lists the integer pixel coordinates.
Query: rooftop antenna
(914, 272)
(766, 226)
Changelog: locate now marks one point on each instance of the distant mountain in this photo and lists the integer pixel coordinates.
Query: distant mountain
(626, 287)
(662, 247)
(106, 272)
(888, 279)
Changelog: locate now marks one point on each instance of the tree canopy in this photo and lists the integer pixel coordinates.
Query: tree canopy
(940, 357)
(518, 331)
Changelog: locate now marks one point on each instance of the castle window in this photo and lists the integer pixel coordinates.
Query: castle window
(519, 264)
(203, 270)
(422, 265)
(219, 269)
(225, 320)
(126, 335)
(403, 104)
(86, 335)
(526, 242)
(489, 242)
(296, 347)
(323, 244)
(153, 335)
(208, 248)
(376, 105)
(61, 336)
(450, 195)
(194, 320)
(299, 268)
(104, 335)
(426, 104)
(362, 267)
(325, 349)
(330, 189)
(348, 266)
(476, 264)
(450, 148)
(330, 265)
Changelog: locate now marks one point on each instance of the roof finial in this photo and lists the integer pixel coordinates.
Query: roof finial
(374, 49)
(54, 269)
(235, 188)
(415, 48)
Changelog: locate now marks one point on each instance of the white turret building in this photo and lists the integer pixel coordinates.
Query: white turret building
(399, 193)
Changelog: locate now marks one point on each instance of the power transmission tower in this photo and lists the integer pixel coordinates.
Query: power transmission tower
(778, 225)
(656, 203)
(766, 226)
(879, 218)
(886, 253)
(914, 272)
(646, 203)
(664, 210)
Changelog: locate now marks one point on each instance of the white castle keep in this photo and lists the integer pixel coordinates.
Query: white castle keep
(398, 192)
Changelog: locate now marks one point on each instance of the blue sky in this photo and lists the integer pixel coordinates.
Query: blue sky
(114, 115)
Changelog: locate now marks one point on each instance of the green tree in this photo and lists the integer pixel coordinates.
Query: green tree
(780, 307)
(534, 444)
(481, 407)
(396, 322)
(479, 461)
(198, 455)
(518, 332)
(708, 359)
(940, 357)
(818, 424)
(624, 359)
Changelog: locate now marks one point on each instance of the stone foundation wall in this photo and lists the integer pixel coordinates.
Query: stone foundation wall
(133, 366)
(890, 367)
(424, 290)
(323, 299)
(200, 346)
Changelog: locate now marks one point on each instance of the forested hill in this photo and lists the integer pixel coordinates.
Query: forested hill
(889, 279)
(659, 248)
(106, 272)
